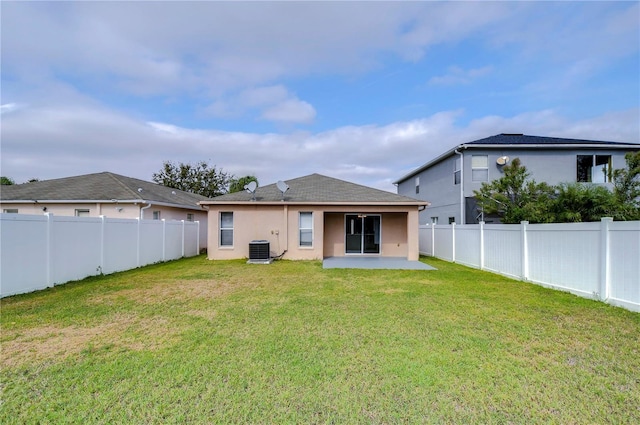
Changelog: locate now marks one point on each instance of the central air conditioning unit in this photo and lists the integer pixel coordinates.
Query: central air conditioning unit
(259, 252)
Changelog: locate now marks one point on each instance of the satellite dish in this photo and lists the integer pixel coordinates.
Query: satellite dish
(502, 160)
(251, 187)
(283, 187)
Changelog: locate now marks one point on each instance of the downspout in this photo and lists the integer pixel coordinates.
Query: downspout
(462, 218)
(142, 210)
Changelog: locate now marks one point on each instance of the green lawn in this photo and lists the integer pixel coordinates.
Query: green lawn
(225, 342)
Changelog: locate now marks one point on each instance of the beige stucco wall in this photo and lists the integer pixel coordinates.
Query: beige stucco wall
(112, 210)
(278, 224)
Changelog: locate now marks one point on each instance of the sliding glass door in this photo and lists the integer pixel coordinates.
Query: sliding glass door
(362, 234)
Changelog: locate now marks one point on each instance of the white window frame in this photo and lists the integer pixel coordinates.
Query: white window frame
(457, 171)
(479, 172)
(592, 173)
(305, 229)
(190, 216)
(157, 215)
(226, 229)
(82, 212)
(10, 211)
(417, 184)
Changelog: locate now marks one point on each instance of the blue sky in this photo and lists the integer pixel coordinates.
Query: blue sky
(363, 91)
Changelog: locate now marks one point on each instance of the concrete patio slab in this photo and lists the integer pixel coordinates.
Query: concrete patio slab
(396, 263)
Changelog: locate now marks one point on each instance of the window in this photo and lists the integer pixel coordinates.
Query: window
(156, 215)
(10, 210)
(457, 173)
(452, 220)
(306, 228)
(594, 168)
(82, 213)
(418, 184)
(189, 217)
(226, 229)
(434, 220)
(479, 168)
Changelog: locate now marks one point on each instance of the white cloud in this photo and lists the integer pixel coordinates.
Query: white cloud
(457, 75)
(290, 110)
(275, 103)
(60, 141)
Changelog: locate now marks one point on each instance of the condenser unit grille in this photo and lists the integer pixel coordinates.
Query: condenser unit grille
(259, 251)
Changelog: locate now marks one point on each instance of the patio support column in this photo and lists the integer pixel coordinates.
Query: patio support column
(413, 231)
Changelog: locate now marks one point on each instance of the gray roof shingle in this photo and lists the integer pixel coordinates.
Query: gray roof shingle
(523, 139)
(316, 188)
(99, 186)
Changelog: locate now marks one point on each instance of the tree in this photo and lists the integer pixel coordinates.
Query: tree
(514, 197)
(200, 178)
(577, 202)
(626, 188)
(237, 185)
(6, 181)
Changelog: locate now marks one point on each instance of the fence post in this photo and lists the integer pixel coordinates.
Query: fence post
(482, 245)
(524, 250)
(138, 243)
(182, 239)
(605, 280)
(198, 238)
(164, 240)
(102, 242)
(453, 242)
(433, 239)
(49, 239)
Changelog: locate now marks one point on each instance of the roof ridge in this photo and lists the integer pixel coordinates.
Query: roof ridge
(122, 184)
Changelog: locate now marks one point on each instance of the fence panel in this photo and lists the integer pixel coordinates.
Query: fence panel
(443, 245)
(150, 242)
(566, 256)
(503, 249)
(191, 235)
(120, 244)
(23, 251)
(424, 239)
(173, 240)
(624, 264)
(77, 248)
(468, 249)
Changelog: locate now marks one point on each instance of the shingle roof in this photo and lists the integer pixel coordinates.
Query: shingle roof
(316, 188)
(523, 139)
(98, 186)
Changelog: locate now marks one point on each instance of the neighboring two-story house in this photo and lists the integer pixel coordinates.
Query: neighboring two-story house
(448, 181)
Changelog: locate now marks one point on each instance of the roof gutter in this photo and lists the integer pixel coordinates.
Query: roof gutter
(462, 218)
(93, 201)
(142, 210)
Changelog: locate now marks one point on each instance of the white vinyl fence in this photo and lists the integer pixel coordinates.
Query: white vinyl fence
(598, 260)
(37, 252)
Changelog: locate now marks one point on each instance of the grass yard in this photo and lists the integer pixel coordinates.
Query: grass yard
(195, 341)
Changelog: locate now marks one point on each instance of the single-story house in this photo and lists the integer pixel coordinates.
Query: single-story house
(314, 217)
(107, 194)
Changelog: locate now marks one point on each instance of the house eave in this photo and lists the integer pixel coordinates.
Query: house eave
(100, 201)
(272, 203)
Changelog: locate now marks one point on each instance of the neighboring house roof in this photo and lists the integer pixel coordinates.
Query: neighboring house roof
(523, 141)
(99, 187)
(317, 189)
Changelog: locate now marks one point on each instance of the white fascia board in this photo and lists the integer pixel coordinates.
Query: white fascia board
(360, 204)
